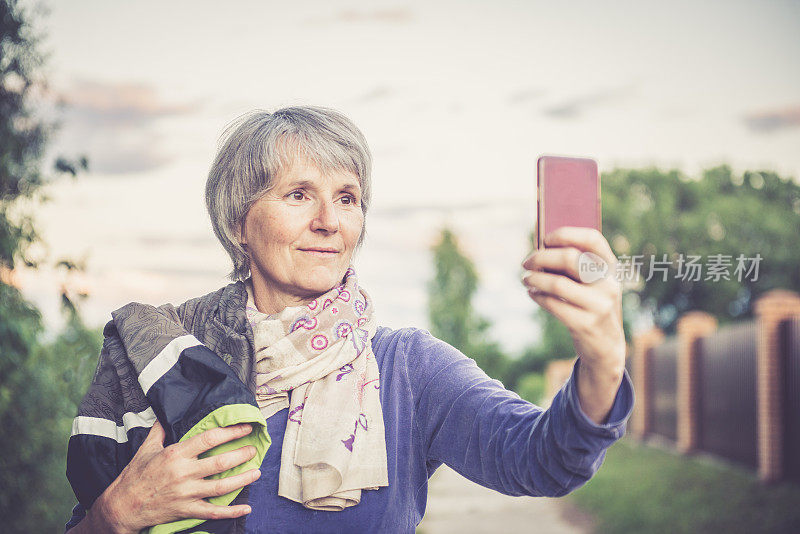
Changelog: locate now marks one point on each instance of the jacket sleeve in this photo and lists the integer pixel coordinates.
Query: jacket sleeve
(112, 422)
(78, 513)
(495, 438)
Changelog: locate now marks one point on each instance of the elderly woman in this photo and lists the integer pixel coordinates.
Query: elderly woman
(277, 403)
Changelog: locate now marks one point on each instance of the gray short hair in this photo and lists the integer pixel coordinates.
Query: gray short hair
(257, 145)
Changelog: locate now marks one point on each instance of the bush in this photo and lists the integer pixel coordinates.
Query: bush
(531, 387)
(645, 489)
(41, 385)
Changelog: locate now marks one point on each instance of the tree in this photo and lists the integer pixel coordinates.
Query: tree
(555, 344)
(650, 213)
(38, 382)
(452, 317)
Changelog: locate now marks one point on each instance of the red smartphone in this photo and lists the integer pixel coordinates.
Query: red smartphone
(568, 195)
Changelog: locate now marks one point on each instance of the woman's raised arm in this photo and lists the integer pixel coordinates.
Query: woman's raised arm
(493, 437)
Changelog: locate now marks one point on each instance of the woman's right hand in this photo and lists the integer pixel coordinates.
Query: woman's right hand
(164, 484)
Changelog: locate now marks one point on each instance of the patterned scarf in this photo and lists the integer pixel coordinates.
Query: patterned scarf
(334, 445)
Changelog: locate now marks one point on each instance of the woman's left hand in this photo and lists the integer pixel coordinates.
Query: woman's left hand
(561, 281)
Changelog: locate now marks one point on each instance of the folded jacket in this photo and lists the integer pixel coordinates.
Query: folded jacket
(190, 368)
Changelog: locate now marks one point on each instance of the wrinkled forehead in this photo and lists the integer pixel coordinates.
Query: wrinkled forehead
(301, 171)
(328, 157)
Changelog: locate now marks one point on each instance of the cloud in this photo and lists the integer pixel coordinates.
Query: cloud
(105, 157)
(113, 123)
(118, 104)
(376, 94)
(182, 272)
(412, 210)
(576, 106)
(168, 241)
(525, 95)
(770, 121)
(397, 15)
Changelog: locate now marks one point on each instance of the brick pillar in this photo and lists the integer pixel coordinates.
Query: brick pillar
(642, 415)
(691, 326)
(771, 309)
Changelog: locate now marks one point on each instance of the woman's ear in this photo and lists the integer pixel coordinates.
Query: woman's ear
(240, 237)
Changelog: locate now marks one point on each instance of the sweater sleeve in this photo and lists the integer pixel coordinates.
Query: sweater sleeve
(495, 438)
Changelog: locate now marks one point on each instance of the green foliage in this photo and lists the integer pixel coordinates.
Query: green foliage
(531, 387)
(40, 382)
(651, 212)
(20, 324)
(450, 293)
(22, 135)
(555, 344)
(40, 397)
(643, 489)
(490, 357)
(450, 312)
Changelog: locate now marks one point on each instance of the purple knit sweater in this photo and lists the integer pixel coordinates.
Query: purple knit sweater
(440, 407)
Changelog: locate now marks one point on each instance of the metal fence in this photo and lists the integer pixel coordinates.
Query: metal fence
(790, 339)
(727, 393)
(664, 382)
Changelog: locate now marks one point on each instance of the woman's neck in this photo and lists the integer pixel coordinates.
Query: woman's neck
(270, 301)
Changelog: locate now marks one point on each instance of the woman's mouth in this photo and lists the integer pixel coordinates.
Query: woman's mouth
(321, 252)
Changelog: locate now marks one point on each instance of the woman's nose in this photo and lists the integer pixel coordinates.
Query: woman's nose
(326, 217)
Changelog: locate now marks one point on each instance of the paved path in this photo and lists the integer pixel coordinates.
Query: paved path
(456, 505)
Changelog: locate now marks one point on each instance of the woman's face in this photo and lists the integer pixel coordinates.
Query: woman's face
(302, 233)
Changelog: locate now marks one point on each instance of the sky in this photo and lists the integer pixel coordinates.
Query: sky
(457, 101)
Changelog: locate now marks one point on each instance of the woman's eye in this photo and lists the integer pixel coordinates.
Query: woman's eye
(350, 199)
(296, 195)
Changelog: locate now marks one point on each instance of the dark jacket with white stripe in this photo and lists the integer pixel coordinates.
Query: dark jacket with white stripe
(187, 366)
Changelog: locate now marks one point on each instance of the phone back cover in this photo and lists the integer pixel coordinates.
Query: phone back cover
(570, 191)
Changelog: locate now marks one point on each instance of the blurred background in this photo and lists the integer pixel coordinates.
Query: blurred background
(111, 112)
